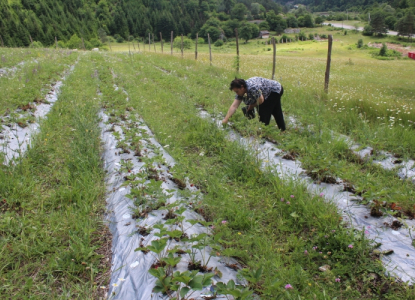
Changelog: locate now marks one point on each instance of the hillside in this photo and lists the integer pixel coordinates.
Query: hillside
(42, 20)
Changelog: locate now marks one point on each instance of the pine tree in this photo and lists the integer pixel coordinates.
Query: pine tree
(406, 25)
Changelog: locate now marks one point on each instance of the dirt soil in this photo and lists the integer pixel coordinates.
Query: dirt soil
(399, 48)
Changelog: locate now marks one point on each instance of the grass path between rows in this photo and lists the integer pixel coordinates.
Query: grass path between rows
(271, 222)
(52, 238)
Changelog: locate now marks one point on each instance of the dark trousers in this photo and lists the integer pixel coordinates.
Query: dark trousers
(272, 106)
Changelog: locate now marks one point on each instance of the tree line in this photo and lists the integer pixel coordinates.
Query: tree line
(24, 21)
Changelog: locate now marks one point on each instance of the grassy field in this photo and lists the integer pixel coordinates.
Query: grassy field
(52, 238)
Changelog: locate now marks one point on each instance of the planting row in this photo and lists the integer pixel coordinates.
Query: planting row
(54, 242)
(387, 234)
(156, 214)
(11, 58)
(15, 134)
(31, 81)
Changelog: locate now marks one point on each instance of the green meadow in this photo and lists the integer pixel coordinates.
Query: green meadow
(53, 239)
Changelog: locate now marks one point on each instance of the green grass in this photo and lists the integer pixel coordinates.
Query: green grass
(12, 57)
(318, 152)
(43, 249)
(262, 230)
(32, 81)
(51, 225)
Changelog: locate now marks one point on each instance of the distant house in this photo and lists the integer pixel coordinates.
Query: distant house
(264, 34)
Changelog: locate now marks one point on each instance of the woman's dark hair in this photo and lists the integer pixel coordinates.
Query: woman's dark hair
(237, 83)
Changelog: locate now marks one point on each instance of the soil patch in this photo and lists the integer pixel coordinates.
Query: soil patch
(399, 48)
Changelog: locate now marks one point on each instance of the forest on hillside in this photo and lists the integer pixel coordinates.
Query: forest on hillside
(88, 23)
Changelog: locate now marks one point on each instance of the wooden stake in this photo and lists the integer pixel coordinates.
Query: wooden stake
(129, 48)
(83, 44)
(273, 58)
(327, 77)
(210, 50)
(2, 43)
(138, 44)
(132, 42)
(149, 42)
(154, 44)
(182, 45)
(31, 41)
(161, 41)
(237, 50)
(171, 43)
(197, 36)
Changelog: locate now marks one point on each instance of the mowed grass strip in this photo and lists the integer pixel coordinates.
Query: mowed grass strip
(52, 202)
(270, 222)
(28, 84)
(10, 57)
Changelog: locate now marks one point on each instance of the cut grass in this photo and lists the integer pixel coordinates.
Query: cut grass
(29, 83)
(262, 230)
(11, 57)
(53, 201)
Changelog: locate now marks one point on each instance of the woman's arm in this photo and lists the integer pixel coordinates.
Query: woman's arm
(231, 110)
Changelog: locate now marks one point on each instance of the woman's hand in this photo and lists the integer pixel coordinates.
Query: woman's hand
(231, 110)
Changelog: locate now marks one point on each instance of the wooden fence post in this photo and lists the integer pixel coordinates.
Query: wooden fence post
(210, 50)
(197, 36)
(138, 44)
(31, 41)
(161, 41)
(237, 50)
(273, 57)
(149, 42)
(182, 45)
(171, 43)
(327, 77)
(154, 44)
(132, 41)
(83, 44)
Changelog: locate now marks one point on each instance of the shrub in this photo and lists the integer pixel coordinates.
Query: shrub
(74, 42)
(360, 43)
(36, 44)
(187, 43)
(382, 51)
(368, 30)
(96, 43)
(61, 44)
(284, 38)
(120, 39)
(88, 45)
(302, 36)
(323, 36)
(218, 43)
(311, 36)
(200, 40)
